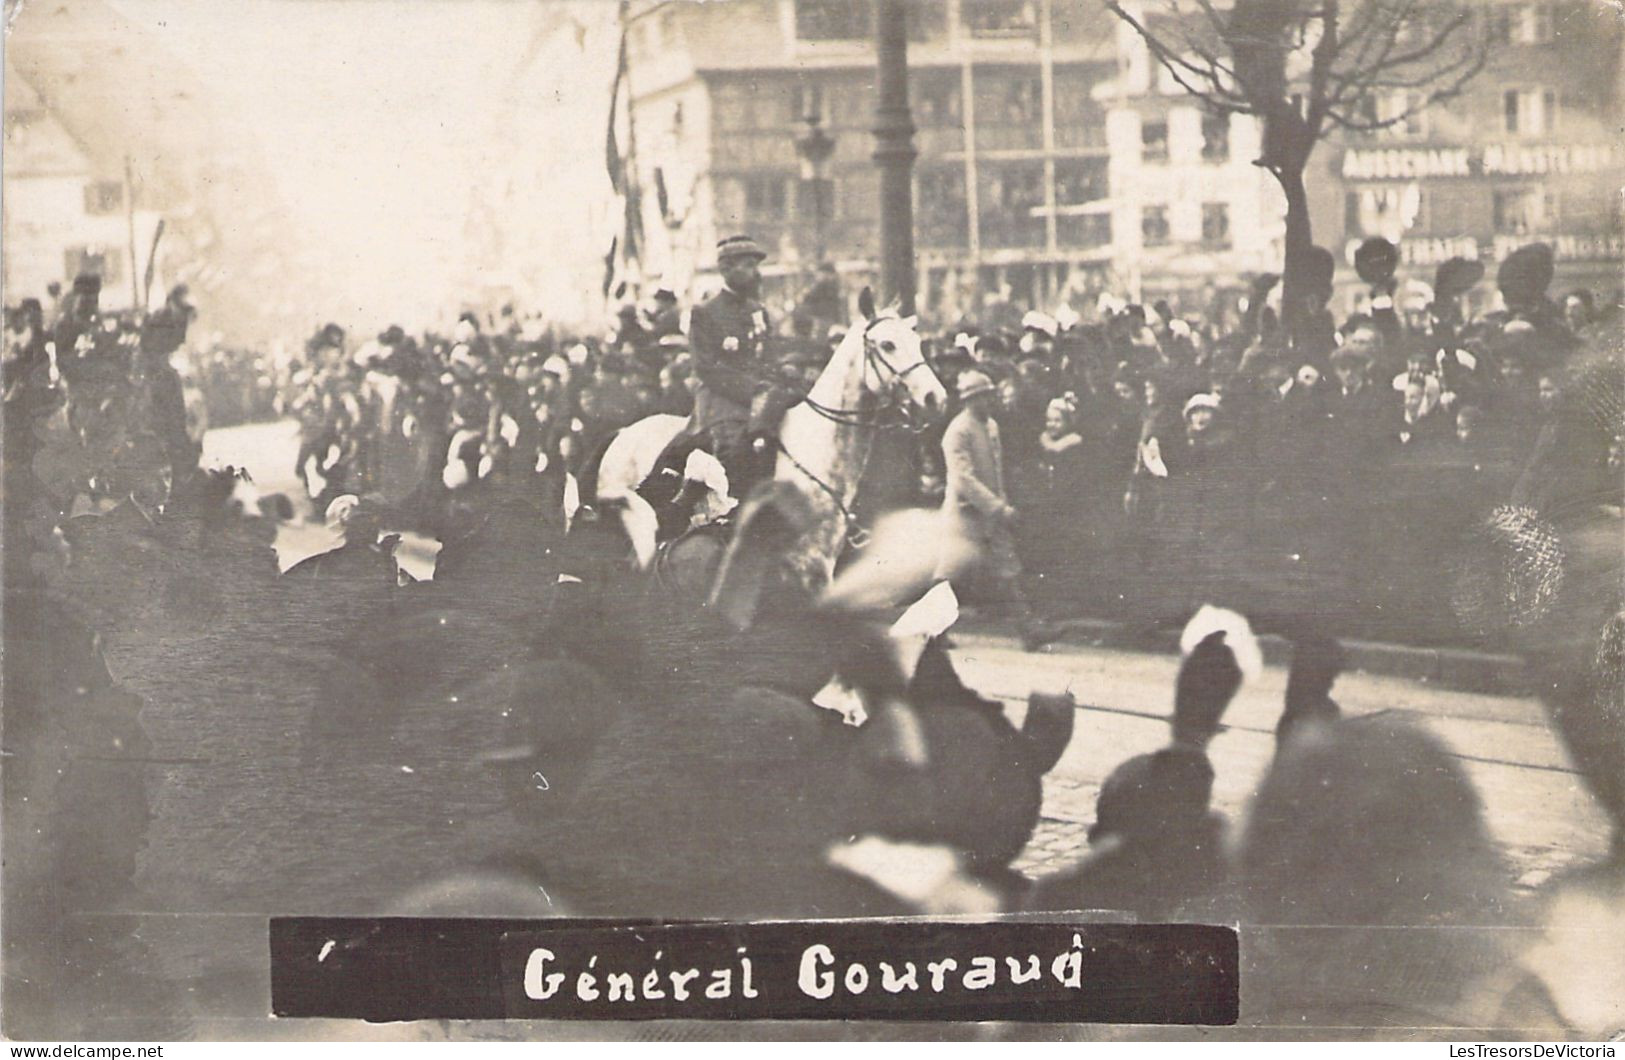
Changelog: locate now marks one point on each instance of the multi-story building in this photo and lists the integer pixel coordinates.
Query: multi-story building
(1056, 156)
(1191, 215)
(1530, 151)
(1012, 182)
(64, 214)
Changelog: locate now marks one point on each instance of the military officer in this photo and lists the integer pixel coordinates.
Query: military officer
(728, 335)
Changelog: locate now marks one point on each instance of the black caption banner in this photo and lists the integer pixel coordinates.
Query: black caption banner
(408, 969)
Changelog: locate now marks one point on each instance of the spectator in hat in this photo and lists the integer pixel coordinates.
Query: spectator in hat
(1314, 331)
(666, 320)
(1038, 332)
(1055, 537)
(1375, 261)
(1579, 310)
(1421, 421)
(1199, 529)
(977, 503)
(823, 306)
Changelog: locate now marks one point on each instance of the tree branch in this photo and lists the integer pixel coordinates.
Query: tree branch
(1323, 58)
(1183, 71)
(1433, 46)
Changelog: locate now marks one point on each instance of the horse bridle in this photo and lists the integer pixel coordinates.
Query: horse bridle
(873, 357)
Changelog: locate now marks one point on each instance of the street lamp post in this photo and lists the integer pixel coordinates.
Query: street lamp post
(894, 152)
(815, 147)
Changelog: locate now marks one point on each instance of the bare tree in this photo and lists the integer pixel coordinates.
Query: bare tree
(1305, 68)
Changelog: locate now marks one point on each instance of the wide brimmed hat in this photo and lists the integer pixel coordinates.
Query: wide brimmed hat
(1042, 322)
(739, 247)
(1201, 401)
(972, 384)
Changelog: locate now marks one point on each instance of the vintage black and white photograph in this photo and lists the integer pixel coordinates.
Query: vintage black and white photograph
(991, 520)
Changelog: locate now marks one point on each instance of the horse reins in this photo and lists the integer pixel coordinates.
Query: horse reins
(858, 417)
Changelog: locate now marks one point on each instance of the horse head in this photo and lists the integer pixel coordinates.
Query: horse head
(894, 364)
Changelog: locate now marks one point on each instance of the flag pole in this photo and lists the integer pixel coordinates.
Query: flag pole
(152, 260)
(129, 216)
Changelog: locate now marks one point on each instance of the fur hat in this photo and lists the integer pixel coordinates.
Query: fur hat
(1525, 274)
(1455, 278)
(1317, 266)
(1375, 261)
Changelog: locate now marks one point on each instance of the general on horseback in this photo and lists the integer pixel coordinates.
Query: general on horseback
(740, 399)
(761, 420)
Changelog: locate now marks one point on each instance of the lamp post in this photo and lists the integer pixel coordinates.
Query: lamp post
(894, 152)
(815, 147)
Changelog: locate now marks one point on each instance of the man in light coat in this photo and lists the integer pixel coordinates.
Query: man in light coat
(976, 505)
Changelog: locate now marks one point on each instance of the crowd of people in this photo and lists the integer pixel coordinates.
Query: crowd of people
(197, 729)
(1152, 461)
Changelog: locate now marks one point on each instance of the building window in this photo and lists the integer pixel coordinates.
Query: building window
(765, 197)
(1154, 230)
(806, 98)
(927, 20)
(1154, 141)
(1216, 137)
(1081, 186)
(104, 197)
(1080, 180)
(1011, 202)
(1405, 113)
(1080, 121)
(999, 18)
(1522, 24)
(1023, 100)
(820, 20)
(1524, 211)
(936, 101)
(1386, 210)
(1084, 230)
(1215, 224)
(105, 262)
(1530, 111)
(941, 216)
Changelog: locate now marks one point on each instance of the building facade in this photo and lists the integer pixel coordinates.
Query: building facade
(1192, 216)
(1012, 184)
(65, 216)
(1057, 158)
(1529, 152)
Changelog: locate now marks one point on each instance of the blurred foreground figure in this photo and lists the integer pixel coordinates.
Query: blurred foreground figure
(1156, 845)
(1359, 829)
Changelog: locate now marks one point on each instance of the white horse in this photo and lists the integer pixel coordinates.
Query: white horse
(825, 439)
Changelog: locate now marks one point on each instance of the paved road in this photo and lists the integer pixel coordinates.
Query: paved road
(267, 450)
(1535, 804)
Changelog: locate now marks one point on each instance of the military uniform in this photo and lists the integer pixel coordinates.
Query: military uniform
(728, 336)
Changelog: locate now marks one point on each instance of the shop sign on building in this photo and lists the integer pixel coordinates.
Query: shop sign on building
(1414, 163)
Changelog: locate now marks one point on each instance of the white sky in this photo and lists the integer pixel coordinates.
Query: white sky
(385, 121)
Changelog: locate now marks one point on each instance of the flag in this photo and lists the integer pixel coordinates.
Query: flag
(613, 162)
(621, 265)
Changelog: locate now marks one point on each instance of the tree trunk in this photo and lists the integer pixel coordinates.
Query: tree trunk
(1295, 293)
